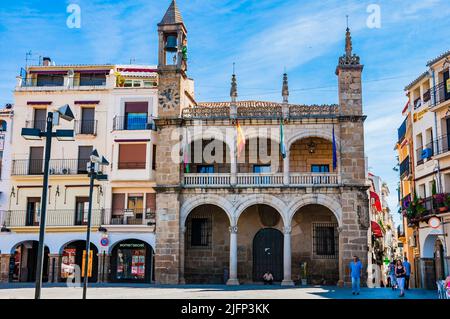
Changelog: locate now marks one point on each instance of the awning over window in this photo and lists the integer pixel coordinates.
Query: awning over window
(375, 201)
(376, 229)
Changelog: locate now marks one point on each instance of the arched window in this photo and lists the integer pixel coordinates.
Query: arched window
(3, 126)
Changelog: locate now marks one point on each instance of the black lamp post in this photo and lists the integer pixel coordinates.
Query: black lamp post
(36, 134)
(94, 174)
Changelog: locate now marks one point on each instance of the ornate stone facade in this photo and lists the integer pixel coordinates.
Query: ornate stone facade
(213, 223)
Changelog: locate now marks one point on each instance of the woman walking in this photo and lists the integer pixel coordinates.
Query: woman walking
(400, 274)
(391, 274)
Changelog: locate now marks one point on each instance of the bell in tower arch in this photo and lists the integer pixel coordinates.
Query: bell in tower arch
(171, 43)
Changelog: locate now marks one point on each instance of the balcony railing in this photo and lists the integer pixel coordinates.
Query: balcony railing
(308, 179)
(207, 179)
(30, 82)
(129, 217)
(128, 123)
(442, 144)
(86, 127)
(57, 167)
(441, 93)
(260, 179)
(404, 167)
(71, 217)
(425, 152)
(61, 217)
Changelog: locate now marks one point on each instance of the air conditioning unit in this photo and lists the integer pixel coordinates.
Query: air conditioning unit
(65, 171)
(427, 153)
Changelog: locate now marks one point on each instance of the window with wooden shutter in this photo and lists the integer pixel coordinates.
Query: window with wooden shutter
(132, 156)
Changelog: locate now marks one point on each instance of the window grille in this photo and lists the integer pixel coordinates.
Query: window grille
(199, 231)
(325, 240)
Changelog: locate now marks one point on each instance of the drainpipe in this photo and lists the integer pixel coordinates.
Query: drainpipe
(438, 169)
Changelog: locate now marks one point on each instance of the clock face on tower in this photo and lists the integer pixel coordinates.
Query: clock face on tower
(169, 98)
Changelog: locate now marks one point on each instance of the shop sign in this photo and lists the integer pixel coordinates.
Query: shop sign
(132, 245)
(418, 116)
(434, 222)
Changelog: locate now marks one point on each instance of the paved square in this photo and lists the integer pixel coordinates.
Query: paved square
(118, 291)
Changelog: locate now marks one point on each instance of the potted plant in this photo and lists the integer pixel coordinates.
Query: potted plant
(304, 280)
(440, 201)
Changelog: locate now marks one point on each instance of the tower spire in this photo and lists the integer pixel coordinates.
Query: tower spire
(173, 15)
(233, 91)
(348, 41)
(285, 88)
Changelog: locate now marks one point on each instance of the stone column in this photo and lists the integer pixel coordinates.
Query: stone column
(4, 267)
(286, 168)
(233, 280)
(54, 272)
(341, 256)
(287, 257)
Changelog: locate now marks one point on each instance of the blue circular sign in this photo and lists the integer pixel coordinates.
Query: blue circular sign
(104, 241)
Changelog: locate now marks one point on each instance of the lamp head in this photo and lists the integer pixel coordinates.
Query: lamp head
(66, 113)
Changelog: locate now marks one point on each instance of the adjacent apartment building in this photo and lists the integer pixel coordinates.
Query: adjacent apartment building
(423, 147)
(198, 192)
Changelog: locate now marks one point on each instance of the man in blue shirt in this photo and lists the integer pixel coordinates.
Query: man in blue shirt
(407, 266)
(355, 267)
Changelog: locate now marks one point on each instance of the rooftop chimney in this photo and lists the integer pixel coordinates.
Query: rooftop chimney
(46, 61)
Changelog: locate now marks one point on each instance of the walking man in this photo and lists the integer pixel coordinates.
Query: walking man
(355, 268)
(407, 266)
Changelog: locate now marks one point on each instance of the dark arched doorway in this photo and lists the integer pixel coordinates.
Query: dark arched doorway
(132, 261)
(24, 261)
(439, 264)
(268, 254)
(73, 255)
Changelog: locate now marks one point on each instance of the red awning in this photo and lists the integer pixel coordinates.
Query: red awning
(375, 201)
(376, 229)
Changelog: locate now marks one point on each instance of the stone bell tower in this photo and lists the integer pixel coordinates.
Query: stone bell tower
(355, 206)
(173, 83)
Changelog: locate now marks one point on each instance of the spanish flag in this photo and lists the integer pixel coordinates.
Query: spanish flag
(240, 139)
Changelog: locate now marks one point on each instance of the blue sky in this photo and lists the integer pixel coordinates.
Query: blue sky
(262, 37)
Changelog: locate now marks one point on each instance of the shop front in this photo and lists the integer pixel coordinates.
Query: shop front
(132, 261)
(73, 261)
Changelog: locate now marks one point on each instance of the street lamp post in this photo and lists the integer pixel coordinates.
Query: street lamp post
(94, 174)
(35, 134)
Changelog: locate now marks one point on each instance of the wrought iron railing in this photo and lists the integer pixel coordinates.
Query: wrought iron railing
(404, 167)
(60, 217)
(441, 93)
(56, 167)
(133, 123)
(442, 144)
(86, 127)
(145, 217)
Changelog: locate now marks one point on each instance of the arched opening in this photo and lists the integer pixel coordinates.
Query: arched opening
(315, 245)
(24, 262)
(268, 254)
(260, 243)
(207, 245)
(206, 156)
(260, 155)
(73, 258)
(132, 260)
(311, 155)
